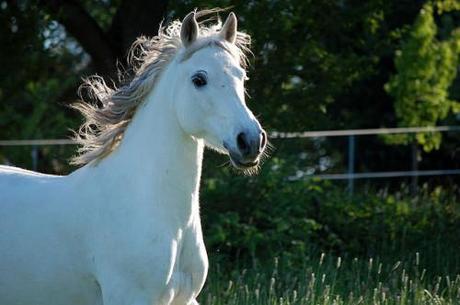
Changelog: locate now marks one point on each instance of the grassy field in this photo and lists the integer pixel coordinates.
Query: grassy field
(326, 279)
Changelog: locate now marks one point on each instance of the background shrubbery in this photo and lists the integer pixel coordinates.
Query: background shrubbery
(276, 214)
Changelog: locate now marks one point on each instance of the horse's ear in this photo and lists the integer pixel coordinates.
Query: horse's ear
(229, 29)
(189, 29)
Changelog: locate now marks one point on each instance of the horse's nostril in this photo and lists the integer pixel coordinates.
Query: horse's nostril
(263, 141)
(242, 143)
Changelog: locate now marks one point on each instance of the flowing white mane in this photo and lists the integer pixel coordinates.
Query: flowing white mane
(111, 109)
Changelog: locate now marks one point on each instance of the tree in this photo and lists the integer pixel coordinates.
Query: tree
(318, 64)
(107, 41)
(426, 68)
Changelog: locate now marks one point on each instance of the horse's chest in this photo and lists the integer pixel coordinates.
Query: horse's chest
(168, 264)
(190, 268)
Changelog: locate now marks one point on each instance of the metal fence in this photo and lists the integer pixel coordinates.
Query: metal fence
(351, 134)
(351, 175)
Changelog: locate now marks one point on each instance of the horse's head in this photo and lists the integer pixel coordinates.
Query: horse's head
(210, 94)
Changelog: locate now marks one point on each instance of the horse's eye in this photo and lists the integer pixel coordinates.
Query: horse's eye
(200, 79)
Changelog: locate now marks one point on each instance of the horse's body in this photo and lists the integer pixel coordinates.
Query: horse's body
(124, 229)
(42, 241)
(65, 238)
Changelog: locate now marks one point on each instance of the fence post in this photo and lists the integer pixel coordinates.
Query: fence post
(414, 168)
(34, 154)
(351, 163)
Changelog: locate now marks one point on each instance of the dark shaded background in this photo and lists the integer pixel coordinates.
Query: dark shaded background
(317, 65)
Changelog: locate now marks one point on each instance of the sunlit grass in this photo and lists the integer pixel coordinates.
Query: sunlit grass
(334, 280)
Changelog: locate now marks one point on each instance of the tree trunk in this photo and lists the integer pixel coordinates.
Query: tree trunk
(107, 48)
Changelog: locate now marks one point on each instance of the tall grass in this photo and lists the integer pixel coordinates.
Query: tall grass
(327, 279)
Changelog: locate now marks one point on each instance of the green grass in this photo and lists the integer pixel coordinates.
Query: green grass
(326, 279)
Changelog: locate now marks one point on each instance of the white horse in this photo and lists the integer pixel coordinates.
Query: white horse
(125, 228)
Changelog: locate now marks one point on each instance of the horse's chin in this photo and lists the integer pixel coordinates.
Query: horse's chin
(244, 165)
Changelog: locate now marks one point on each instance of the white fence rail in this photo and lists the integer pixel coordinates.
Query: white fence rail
(360, 132)
(37, 142)
(273, 135)
(350, 175)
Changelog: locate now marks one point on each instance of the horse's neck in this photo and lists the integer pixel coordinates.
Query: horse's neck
(156, 157)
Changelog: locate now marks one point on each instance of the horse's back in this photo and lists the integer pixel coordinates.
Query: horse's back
(42, 257)
(12, 170)
(16, 182)
(23, 191)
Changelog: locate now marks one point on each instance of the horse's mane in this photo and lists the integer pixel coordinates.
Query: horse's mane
(110, 109)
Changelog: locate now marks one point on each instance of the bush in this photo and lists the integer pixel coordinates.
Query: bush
(277, 214)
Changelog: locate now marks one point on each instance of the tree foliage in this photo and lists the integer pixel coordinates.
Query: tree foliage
(426, 68)
(317, 64)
